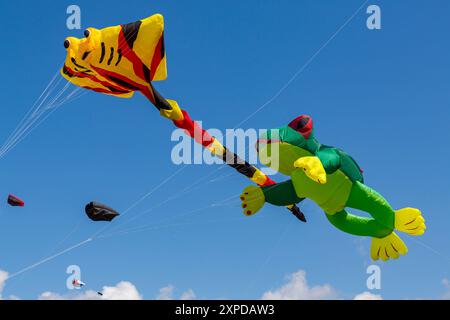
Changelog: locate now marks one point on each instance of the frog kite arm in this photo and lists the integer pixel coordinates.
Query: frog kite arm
(279, 194)
(294, 151)
(313, 168)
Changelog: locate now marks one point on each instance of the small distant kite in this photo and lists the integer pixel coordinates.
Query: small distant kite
(99, 212)
(78, 283)
(15, 201)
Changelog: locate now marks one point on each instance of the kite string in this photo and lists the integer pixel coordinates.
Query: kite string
(189, 188)
(178, 216)
(145, 196)
(159, 227)
(50, 84)
(270, 254)
(222, 202)
(84, 242)
(304, 66)
(219, 203)
(30, 126)
(66, 237)
(26, 125)
(53, 109)
(34, 265)
(38, 108)
(30, 114)
(92, 238)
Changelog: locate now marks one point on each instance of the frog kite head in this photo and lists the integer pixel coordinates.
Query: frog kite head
(280, 148)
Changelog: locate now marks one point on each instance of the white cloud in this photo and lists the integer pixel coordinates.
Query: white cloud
(297, 288)
(367, 296)
(167, 293)
(124, 290)
(3, 278)
(188, 295)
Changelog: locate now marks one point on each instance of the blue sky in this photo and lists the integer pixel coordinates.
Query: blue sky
(380, 95)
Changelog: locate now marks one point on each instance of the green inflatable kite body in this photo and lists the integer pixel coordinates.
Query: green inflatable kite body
(334, 181)
(344, 187)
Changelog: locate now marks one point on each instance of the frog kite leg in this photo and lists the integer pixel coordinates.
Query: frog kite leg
(334, 181)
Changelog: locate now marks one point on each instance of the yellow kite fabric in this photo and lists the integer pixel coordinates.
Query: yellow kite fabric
(118, 60)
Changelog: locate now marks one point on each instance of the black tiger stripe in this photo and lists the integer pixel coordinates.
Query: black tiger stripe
(85, 55)
(163, 47)
(130, 31)
(146, 72)
(70, 74)
(67, 72)
(114, 90)
(119, 53)
(111, 55)
(102, 56)
(121, 82)
(76, 64)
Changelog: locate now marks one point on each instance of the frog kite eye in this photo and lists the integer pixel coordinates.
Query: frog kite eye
(66, 44)
(303, 125)
(87, 33)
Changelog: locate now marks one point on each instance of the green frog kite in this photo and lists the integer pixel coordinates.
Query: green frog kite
(334, 181)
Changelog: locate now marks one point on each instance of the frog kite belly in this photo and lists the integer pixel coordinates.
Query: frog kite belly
(333, 180)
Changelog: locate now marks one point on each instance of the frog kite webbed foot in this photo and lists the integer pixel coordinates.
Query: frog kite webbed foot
(253, 200)
(389, 247)
(410, 221)
(407, 220)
